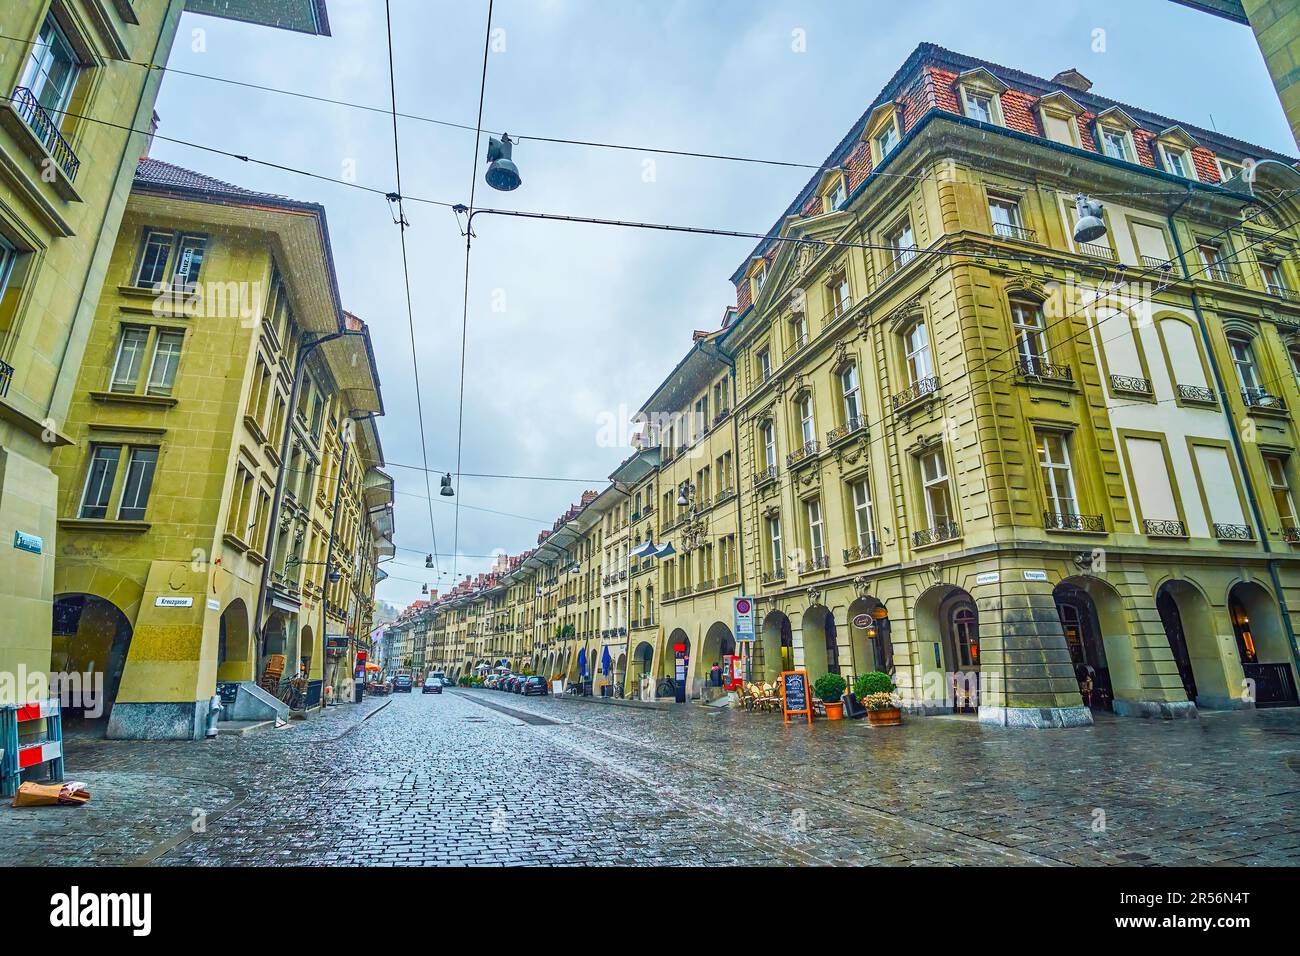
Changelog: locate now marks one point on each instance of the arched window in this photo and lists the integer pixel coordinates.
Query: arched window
(965, 635)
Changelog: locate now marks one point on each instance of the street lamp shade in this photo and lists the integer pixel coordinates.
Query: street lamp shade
(502, 173)
(333, 576)
(1089, 225)
(446, 490)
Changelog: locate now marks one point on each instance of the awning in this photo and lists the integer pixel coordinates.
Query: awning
(644, 549)
(667, 551)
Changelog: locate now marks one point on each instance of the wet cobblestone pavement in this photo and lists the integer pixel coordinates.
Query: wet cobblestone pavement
(483, 778)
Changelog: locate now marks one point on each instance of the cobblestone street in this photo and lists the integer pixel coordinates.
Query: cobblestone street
(478, 777)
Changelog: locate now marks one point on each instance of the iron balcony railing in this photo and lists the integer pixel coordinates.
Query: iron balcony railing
(775, 574)
(901, 257)
(1233, 532)
(799, 455)
(1164, 528)
(1131, 384)
(868, 549)
(818, 562)
(1291, 534)
(1097, 250)
(942, 531)
(1196, 393)
(764, 476)
(46, 129)
(1068, 521)
(1281, 291)
(1222, 272)
(856, 423)
(6, 376)
(915, 392)
(1037, 367)
(1007, 231)
(1155, 262)
(1260, 398)
(795, 346)
(839, 308)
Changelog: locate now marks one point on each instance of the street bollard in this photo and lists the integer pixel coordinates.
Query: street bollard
(214, 714)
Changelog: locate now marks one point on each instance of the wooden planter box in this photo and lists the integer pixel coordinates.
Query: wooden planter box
(885, 717)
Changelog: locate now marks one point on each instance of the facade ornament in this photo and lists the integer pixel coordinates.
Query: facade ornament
(862, 586)
(771, 511)
(840, 359)
(814, 595)
(1027, 285)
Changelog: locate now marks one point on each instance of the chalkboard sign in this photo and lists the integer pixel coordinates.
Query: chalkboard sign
(794, 694)
(228, 690)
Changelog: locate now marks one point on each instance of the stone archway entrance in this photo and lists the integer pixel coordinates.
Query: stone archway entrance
(821, 649)
(718, 646)
(1079, 621)
(91, 637)
(1262, 644)
(777, 645)
(234, 644)
(869, 636)
(1177, 616)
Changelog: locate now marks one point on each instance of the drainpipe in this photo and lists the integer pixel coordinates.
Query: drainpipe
(299, 366)
(329, 559)
(1235, 435)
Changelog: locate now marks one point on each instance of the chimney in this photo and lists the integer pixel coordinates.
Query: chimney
(1073, 79)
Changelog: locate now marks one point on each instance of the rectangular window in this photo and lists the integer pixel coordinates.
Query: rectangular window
(838, 291)
(166, 358)
(887, 140)
(130, 356)
(979, 106)
(189, 262)
(140, 468)
(152, 270)
(1243, 360)
(934, 483)
(774, 543)
(816, 532)
(849, 387)
(1155, 494)
(835, 198)
(902, 242)
(765, 364)
(1058, 482)
(1005, 215)
(1280, 486)
(99, 480)
(1213, 262)
(1271, 273)
(1114, 143)
(1180, 164)
(864, 515)
(917, 344)
(1219, 485)
(52, 69)
(1030, 332)
(769, 445)
(8, 258)
(807, 428)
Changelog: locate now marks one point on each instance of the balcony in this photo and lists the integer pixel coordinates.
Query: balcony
(798, 343)
(942, 531)
(1281, 291)
(1005, 230)
(868, 549)
(1097, 250)
(1291, 535)
(915, 392)
(1155, 262)
(901, 257)
(778, 574)
(1068, 521)
(1196, 393)
(1222, 272)
(1164, 528)
(818, 562)
(802, 455)
(1037, 368)
(1258, 399)
(6, 376)
(46, 130)
(768, 474)
(1233, 532)
(1131, 384)
(840, 432)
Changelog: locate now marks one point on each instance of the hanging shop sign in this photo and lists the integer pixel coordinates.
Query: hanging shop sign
(795, 698)
(860, 621)
(743, 619)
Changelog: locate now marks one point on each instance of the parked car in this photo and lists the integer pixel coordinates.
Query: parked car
(534, 685)
(432, 685)
(518, 686)
(490, 682)
(402, 684)
(448, 682)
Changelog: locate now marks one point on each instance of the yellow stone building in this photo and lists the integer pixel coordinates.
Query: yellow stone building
(221, 498)
(74, 120)
(1029, 470)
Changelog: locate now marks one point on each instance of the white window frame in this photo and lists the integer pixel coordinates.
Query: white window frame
(1279, 483)
(816, 529)
(765, 362)
(902, 240)
(50, 42)
(807, 422)
(935, 484)
(8, 262)
(1244, 363)
(1125, 138)
(769, 443)
(971, 97)
(864, 513)
(1057, 472)
(1030, 331)
(112, 461)
(887, 140)
(775, 553)
(917, 356)
(171, 362)
(116, 383)
(1011, 221)
(851, 393)
(1178, 156)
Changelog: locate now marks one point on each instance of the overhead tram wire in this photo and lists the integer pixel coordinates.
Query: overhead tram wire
(469, 242)
(406, 276)
(592, 143)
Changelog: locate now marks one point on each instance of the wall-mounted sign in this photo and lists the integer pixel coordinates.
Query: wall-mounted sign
(164, 601)
(743, 615)
(794, 694)
(1035, 575)
(988, 577)
(860, 621)
(28, 542)
(214, 604)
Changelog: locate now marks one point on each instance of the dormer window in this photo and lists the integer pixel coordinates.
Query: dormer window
(886, 140)
(1179, 163)
(979, 91)
(1228, 168)
(1114, 143)
(834, 199)
(979, 106)
(1059, 112)
(1176, 149)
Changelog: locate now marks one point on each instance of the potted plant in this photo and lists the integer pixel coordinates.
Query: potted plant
(876, 691)
(830, 687)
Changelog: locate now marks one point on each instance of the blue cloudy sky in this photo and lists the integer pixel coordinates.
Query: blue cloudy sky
(571, 324)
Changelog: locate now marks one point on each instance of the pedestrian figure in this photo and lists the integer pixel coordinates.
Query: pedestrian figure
(715, 674)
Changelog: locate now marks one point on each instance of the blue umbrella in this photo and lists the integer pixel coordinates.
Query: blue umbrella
(582, 662)
(605, 661)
